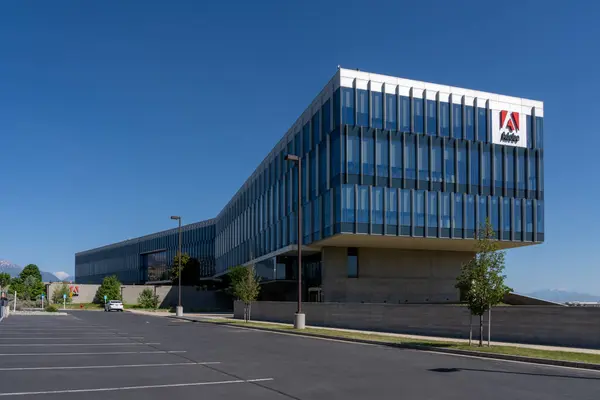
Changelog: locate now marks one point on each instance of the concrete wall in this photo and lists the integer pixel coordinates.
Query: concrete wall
(549, 325)
(191, 296)
(392, 276)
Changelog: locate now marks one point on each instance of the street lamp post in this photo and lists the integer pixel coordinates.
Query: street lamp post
(179, 311)
(299, 317)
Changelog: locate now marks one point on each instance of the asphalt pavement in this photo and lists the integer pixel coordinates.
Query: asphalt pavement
(97, 355)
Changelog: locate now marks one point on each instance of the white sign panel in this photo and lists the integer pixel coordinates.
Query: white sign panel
(509, 128)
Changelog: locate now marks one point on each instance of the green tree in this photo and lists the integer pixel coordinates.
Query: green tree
(245, 285)
(29, 285)
(59, 292)
(481, 280)
(190, 270)
(31, 270)
(111, 288)
(147, 299)
(4, 280)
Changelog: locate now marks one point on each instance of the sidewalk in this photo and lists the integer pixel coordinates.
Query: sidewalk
(229, 317)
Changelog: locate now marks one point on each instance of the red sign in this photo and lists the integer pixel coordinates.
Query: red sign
(510, 121)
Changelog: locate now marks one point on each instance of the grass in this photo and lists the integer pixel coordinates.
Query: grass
(384, 339)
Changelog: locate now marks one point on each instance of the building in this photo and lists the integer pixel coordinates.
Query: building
(396, 177)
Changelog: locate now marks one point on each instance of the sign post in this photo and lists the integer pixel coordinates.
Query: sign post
(42, 301)
(64, 301)
(105, 297)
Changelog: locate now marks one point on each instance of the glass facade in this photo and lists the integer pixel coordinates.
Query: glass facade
(373, 162)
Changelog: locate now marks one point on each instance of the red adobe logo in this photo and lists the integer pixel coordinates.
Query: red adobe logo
(510, 121)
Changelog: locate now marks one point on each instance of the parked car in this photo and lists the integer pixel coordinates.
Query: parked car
(113, 305)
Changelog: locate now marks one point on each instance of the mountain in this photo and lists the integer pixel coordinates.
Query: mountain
(562, 296)
(14, 270)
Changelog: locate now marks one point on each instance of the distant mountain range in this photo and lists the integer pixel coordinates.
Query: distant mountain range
(14, 270)
(562, 296)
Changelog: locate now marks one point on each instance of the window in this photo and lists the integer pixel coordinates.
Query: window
(420, 208)
(305, 138)
(405, 205)
(532, 172)
(378, 205)
(327, 213)
(506, 217)
(529, 216)
(444, 119)
(518, 216)
(322, 166)
(539, 132)
(316, 216)
(391, 213)
(377, 109)
(498, 169)
(449, 162)
(397, 151)
(353, 154)
(529, 128)
(462, 163)
(475, 166)
(404, 114)
(352, 262)
(457, 121)
(363, 204)
(304, 182)
(482, 124)
(316, 129)
(411, 167)
(326, 118)
(335, 158)
(391, 108)
(482, 212)
(363, 107)
(486, 169)
(540, 217)
(424, 158)
(521, 182)
(470, 122)
(368, 155)
(458, 212)
(431, 117)
(470, 214)
(436, 160)
(347, 106)
(432, 210)
(313, 174)
(382, 155)
(495, 215)
(348, 203)
(445, 199)
(419, 116)
(510, 168)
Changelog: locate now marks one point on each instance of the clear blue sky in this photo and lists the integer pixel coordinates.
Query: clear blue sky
(115, 115)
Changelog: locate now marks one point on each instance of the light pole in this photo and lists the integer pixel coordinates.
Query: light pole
(179, 311)
(299, 318)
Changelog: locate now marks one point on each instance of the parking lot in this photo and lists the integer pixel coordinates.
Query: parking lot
(99, 355)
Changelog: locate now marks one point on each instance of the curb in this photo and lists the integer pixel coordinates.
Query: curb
(506, 357)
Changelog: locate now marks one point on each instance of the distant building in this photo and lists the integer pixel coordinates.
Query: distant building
(583, 303)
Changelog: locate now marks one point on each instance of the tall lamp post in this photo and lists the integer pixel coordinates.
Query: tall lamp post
(299, 317)
(179, 311)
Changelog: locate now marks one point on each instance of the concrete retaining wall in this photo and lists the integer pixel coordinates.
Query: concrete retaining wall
(548, 325)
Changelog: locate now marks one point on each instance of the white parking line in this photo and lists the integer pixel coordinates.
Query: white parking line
(111, 366)
(70, 338)
(108, 353)
(79, 344)
(114, 389)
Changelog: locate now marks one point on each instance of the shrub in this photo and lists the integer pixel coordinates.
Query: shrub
(51, 308)
(147, 299)
(57, 294)
(111, 288)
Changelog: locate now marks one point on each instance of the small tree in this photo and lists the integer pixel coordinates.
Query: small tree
(59, 292)
(246, 286)
(147, 299)
(481, 280)
(29, 285)
(4, 280)
(111, 288)
(31, 270)
(190, 270)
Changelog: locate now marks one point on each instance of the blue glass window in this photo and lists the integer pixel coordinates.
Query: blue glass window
(391, 213)
(323, 166)
(470, 214)
(368, 155)
(353, 155)
(539, 132)
(449, 162)
(487, 166)
(419, 115)
(297, 149)
(348, 208)
(316, 215)
(313, 174)
(306, 138)
(397, 151)
(444, 119)
(462, 163)
(304, 182)
(506, 215)
(482, 124)
(377, 109)
(510, 168)
(420, 208)
(529, 128)
(316, 132)
(521, 182)
(363, 204)
(498, 168)
(306, 231)
(532, 172)
(363, 107)
(458, 211)
(432, 210)
(482, 212)
(404, 114)
(457, 121)
(540, 216)
(391, 108)
(424, 158)
(405, 204)
(335, 157)
(436, 160)
(411, 164)
(518, 216)
(337, 102)
(383, 155)
(378, 193)
(445, 199)
(326, 118)
(327, 212)
(348, 106)
(495, 216)
(475, 164)
(431, 117)
(470, 122)
(529, 216)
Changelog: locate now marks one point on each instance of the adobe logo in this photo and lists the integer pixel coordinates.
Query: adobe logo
(509, 123)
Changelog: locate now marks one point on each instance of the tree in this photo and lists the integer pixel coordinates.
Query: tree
(59, 292)
(111, 288)
(29, 285)
(481, 280)
(147, 299)
(4, 280)
(190, 270)
(31, 270)
(245, 286)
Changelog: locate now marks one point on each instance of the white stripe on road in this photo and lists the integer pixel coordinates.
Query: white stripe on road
(79, 344)
(70, 338)
(114, 389)
(108, 353)
(110, 366)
